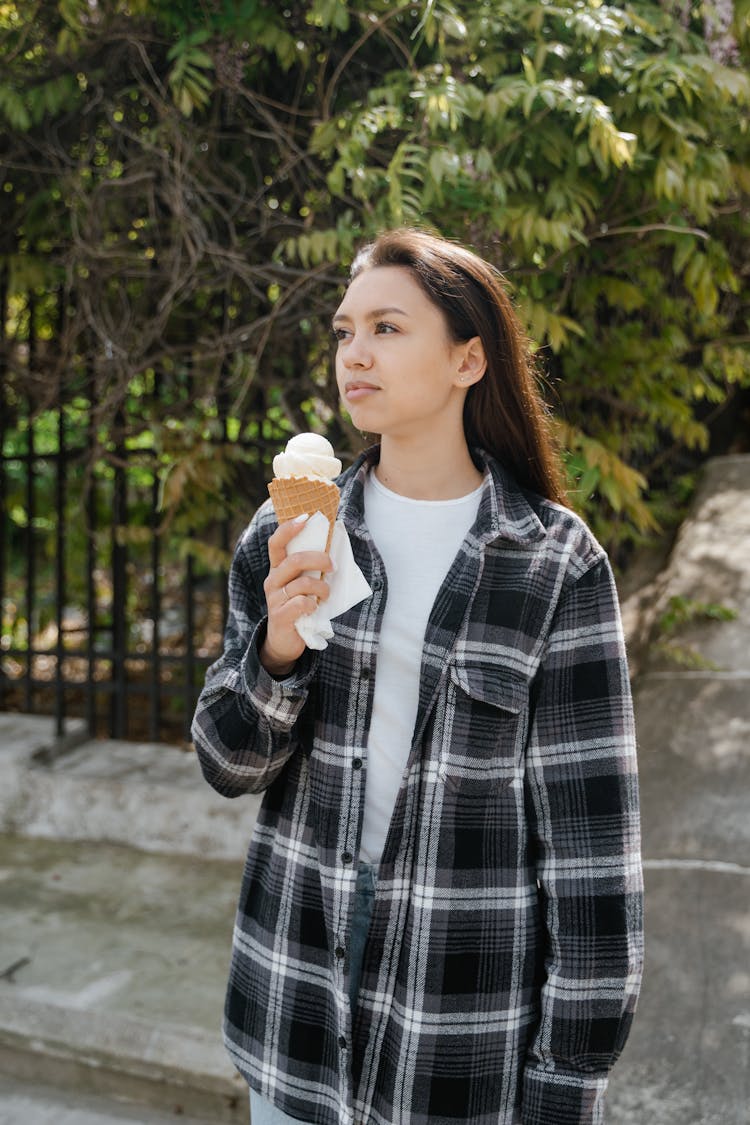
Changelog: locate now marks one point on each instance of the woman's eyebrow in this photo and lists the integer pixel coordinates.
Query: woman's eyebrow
(373, 315)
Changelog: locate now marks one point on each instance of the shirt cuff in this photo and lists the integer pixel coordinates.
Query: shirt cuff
(562, 1098)
(279, 701)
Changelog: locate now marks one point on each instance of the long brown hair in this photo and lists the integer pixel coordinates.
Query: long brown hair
(504, 413)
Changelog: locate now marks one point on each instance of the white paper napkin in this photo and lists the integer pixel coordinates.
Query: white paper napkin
(347, 583)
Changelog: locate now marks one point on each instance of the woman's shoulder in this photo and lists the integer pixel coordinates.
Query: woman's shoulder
(566, 532)
(555, 528)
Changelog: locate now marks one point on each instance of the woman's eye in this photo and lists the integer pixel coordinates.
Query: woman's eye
(338, 333)
(383, 327)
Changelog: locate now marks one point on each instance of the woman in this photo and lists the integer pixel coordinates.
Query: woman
(440, 917)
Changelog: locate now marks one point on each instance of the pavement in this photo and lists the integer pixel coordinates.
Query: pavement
(120, 868)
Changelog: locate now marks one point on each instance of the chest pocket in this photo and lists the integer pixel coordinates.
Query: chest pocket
(484, 727)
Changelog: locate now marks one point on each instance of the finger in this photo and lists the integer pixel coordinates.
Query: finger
(296, 607)
(301, 562)
(304, 586)
(279, 593)
(281, 633)
(283, 535)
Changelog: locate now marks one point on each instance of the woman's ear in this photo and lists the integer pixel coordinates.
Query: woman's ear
(472, 362)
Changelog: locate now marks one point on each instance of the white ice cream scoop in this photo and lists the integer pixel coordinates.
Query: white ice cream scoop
(307, 455)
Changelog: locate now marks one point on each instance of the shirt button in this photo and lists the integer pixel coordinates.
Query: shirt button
(342, 1042)
(357, 764)
(346, 857)
(339, 951)
(365, 673)
(377, 583)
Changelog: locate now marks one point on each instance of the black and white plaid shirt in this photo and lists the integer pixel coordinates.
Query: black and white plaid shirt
(504, 956)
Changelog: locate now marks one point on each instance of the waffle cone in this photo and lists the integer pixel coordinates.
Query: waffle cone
(291, 496)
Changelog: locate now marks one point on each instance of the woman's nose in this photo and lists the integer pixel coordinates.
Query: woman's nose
(356, 353)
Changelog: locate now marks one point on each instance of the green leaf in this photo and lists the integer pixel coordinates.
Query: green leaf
(13, 109)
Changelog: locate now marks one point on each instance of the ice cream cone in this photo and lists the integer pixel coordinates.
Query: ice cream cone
(291, 496)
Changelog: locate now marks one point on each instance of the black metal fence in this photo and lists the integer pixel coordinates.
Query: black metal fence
(105, 614)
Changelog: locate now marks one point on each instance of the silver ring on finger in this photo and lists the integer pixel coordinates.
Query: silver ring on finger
(286, 593)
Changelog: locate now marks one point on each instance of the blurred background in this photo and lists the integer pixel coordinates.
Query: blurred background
(183, 184)
(183, 187)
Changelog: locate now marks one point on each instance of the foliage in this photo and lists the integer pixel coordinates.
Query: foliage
(680, 612)
(185, 182)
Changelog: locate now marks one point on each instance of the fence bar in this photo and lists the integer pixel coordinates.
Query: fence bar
(189, 673)
(60, 576)
(30, 512)
(60, 545)
(4, 521)
(155, 694)
(189, 643)
(154, 716)
(119, 582)
(90, 506)
(222, 402)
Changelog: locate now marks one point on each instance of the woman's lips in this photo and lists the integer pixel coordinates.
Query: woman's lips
(357, 389)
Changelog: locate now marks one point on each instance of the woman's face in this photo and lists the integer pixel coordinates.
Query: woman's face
(396, 367)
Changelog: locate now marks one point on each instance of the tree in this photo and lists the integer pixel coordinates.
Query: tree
(185, 184)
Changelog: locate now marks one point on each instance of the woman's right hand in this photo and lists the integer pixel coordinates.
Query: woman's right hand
(290, 594)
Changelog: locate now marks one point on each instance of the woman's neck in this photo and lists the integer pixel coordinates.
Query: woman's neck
(426, 470)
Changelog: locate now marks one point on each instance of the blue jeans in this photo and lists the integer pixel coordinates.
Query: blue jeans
(363, 903)
(263, 1112)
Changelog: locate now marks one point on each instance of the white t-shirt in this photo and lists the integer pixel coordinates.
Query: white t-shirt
(417, 540)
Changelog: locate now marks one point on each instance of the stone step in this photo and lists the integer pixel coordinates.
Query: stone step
(144, 794)
(113, 973)
(32, 1103)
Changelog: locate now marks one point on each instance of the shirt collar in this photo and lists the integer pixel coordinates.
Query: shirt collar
(504, 509)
